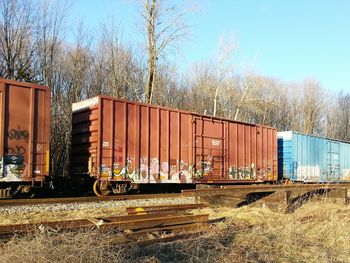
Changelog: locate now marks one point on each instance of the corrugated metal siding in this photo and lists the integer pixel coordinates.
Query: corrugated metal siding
(125, 140)
(308, 158)
(24, 131)
(345, 161)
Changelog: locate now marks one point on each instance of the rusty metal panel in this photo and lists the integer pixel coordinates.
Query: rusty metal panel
(145, 143)
(24, 131)
(250, 155)
(209, 148)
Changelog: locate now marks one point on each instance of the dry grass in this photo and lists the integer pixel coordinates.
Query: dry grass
(37, 217)
(316, 232)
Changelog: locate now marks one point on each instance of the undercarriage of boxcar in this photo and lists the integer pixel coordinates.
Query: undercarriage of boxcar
(104, 187)
(19, 189)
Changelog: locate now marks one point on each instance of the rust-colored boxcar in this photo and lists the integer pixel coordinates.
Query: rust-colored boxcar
(124, 143)
(24, 135)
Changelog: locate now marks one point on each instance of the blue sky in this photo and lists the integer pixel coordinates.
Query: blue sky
(289, 40)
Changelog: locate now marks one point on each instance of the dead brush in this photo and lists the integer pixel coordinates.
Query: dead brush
(47, 246)
(35, 217)
(315, 232)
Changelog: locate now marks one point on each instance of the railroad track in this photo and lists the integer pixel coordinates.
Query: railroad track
(70, 200)
(225, 189)
(138, 222)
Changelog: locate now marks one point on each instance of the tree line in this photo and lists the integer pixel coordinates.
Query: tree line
(34, 47)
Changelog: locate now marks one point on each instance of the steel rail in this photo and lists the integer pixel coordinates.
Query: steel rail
(70, 200)
(184, 193)
(138, 224)
(162, 209)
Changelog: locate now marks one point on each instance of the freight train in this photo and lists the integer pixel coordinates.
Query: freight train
(125, 144)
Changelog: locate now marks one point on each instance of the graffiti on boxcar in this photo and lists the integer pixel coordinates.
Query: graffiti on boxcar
(264, 174)
(250, 173)
(242, 172)
(163, 172)
(105, 170)
(13, 164)
(308, 173)
(333, 173)
(345, 175)
(17, 150)
(155, 172)
(18, 134)
(13, 167)
(204, 167)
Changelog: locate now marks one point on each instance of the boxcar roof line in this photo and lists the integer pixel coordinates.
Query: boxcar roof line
(76, 109)
(312, 135)
(24, 84)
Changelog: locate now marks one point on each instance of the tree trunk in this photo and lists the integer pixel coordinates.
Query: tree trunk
(152, 49)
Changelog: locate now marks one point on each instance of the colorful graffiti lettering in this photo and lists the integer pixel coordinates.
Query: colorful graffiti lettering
(205, 166)
(152, 173)
(242, 173)
(264, 174)
(12, 168)
(105, 170)
(17, 169)
(13, 164)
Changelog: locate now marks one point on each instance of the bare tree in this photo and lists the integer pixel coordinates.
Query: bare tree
(338, 116)
(72, 82)
(165, 26)
(121, 76)
(226, 48)
(311, 106)
(276, 105)
(17, 45)
(249, 84)
(202, 80)
(343, 130)
(50, 22)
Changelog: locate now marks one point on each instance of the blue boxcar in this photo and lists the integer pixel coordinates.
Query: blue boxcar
(308, 158)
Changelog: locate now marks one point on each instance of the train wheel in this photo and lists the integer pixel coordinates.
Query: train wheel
(102, 188)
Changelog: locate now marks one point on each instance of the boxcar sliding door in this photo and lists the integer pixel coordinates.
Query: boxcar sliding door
(333, 160)
(209, 147)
